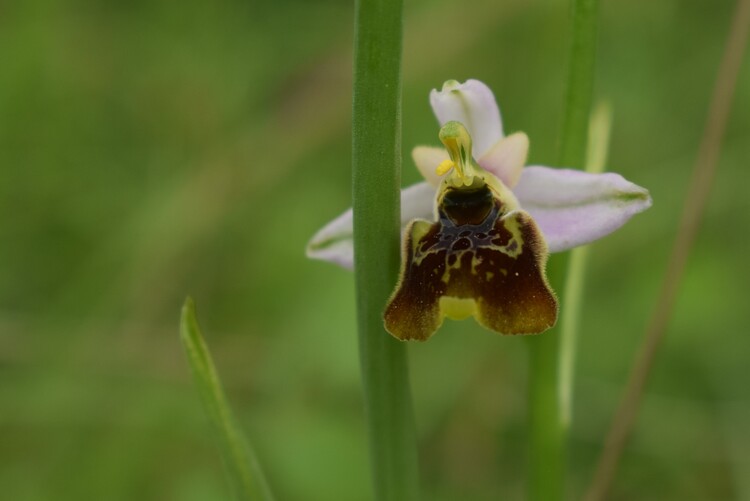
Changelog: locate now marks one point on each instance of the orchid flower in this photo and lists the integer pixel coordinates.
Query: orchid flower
(542, 208)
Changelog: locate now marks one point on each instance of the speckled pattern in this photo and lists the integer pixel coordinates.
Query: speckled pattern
(477, 250)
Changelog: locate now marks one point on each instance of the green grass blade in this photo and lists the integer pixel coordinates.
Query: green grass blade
(245, 475)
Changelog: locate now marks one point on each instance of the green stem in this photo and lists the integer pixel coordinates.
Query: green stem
(548, 432)
(580, 85)
(376, 184)
(546, 457)
(599, 129)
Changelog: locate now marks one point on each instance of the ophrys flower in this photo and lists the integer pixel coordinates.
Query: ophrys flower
(484, 256)
(570, 207)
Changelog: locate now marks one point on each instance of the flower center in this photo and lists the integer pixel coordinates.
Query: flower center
(457, 141)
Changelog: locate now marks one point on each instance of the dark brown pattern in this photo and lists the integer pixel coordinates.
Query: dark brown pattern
(477, 250)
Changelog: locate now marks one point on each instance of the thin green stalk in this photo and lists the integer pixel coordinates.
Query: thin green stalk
(580, 85)
(546, 456)
(547, 436)
(599, 129)
(376, 184)
(244, 471)
(695, 202)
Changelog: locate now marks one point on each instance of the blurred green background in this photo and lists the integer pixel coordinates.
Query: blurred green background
(153, 149)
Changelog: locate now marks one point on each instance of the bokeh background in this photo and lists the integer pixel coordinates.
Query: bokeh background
(150, 150)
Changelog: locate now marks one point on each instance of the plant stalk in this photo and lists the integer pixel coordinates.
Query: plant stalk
(695, 202)
(376, 201)
(547, 457)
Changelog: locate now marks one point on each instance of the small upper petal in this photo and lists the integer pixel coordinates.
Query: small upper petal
(334, 242)
(574, 207)
(506, 158)
(473, 104)
(427, 158)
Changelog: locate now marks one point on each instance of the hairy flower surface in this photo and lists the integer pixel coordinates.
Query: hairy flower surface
(533, 210)
(484, 256)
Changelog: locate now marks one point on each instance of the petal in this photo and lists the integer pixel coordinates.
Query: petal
(473, 104)
(334, 242)
(494, 273)
(417, 202)
(573, 207)
(520, 301)
(506, 158)
(413, 311)
(427, 158)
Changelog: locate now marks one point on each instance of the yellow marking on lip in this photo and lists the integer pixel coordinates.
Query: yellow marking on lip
(475, 261)
(456, 265)
(511, 224)
(457, 308)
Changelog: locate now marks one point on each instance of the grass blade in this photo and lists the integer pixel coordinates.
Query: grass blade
(245, 475)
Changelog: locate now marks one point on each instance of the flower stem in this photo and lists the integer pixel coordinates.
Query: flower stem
(548, 432)
(580, 85)
(376, 184)
(546, 456)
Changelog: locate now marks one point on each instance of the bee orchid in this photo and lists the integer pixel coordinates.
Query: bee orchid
(478, 230)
